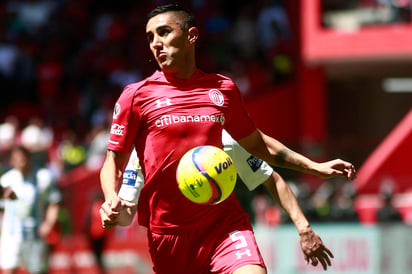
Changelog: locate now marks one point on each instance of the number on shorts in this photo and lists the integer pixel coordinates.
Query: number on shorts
(236, 236)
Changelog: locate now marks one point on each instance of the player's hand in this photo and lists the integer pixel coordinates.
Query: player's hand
(336, 168)
(109, 212)
(116, 212)
(314, 251)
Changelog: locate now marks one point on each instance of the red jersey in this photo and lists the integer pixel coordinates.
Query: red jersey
(164, 117)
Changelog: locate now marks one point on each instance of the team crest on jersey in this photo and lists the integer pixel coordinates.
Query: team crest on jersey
(216, 97)
(116, 110)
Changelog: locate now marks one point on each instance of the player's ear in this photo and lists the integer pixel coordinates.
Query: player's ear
(193, 34)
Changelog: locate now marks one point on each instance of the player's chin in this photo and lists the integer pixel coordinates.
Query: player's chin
(166, 67)
(163, 62)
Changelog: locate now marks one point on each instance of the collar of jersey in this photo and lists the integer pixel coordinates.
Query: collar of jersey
(182, 82)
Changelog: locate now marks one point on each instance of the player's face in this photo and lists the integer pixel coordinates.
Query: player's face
(168, 42)
(19, 160)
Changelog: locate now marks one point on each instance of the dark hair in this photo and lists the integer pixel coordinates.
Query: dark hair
(188, 20)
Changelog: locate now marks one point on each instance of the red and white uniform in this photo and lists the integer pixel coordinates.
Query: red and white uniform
(163, 118)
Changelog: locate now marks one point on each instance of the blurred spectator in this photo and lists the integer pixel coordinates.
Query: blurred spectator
(334, 202)
(73, 152)
(31, 209)
(273, 24)
(32, 14)
(276, 40)
(261, 203)
(9, 55)
(96, 235)
(49, 75)
(387, 213)
(342, 209)
(321, 200)
(217, 26)
(8, 133)
(97, 149)
(244, 36)
(37, 138)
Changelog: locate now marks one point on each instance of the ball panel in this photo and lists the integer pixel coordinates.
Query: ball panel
(199, 155)
(191, 182)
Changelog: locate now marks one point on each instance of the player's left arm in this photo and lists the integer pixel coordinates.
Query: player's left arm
(276, 153)
(313, 248)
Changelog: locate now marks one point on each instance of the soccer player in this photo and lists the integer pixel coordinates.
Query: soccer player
(253, 172)
(31, 205)
(165, 115)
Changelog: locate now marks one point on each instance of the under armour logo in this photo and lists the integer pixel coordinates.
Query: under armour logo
(165, 102)
(240, 254)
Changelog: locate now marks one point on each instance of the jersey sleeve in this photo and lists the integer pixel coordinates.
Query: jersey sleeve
(251, 170)
(125, 122)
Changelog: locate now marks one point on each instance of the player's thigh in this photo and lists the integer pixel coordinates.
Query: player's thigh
(179, 253)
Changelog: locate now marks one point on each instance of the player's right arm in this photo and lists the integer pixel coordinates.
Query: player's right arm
(111, 176)
(123, 131)
(111, 173)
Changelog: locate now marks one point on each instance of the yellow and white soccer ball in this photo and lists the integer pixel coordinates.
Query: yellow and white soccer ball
(206, 175)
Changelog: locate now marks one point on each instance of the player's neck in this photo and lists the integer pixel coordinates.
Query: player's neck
(183, 69)
(182, 74)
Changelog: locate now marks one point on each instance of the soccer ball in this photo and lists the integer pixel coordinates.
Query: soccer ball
(206, 175)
